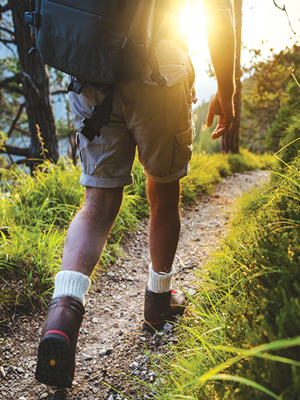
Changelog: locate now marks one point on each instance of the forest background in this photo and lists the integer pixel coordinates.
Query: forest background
(241, 320)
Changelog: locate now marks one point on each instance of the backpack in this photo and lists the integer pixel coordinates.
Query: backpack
(99, 43)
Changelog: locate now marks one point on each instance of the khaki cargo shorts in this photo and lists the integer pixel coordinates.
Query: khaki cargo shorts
(155, 120)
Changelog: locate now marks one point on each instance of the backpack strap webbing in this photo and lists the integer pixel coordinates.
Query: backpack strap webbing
(100, 116)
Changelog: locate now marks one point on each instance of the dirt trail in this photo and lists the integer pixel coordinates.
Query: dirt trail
(111, 339)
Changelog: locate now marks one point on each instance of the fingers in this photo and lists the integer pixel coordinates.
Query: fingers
(210, 118)
(223, 108)
(214, 109)
(221, 129)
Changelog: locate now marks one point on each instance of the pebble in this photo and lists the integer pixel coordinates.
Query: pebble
(85, 357)
(143, 339)
(105, 352)
(111, 397)
(31, 364)
(43, 395)
(167, 327)
(134, 365)
(95, 320)
(20, 370)
(22, 398)
(2, 372)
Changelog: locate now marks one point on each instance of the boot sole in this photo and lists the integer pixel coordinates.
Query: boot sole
(52, 356)
(147, 326)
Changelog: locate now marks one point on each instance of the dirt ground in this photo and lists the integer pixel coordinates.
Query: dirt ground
(112, 348)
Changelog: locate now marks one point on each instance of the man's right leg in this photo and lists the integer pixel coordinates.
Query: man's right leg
(84, 243)
(90, 228)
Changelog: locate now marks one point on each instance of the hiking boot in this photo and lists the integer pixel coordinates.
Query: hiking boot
(56, 354)
(161, 307)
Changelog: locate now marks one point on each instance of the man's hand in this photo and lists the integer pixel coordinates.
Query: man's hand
(221, 106)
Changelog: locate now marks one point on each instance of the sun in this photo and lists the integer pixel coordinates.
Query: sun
(193, 23)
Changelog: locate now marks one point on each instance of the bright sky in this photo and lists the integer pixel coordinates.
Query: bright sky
(264, 27)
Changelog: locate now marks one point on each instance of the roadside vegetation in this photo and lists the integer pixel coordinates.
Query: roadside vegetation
(36, 211)
(240, 337)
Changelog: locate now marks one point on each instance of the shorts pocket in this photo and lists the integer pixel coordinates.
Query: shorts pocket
(183, 149)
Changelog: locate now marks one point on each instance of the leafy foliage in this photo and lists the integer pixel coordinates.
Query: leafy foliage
(236, 342)
(267, 94)
(10, 102)
(202, 139)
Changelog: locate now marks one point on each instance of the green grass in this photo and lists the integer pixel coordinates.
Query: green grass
(35, 212)
(206, 170)
(240, 336)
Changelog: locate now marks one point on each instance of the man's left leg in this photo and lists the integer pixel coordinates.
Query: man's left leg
(161, 302)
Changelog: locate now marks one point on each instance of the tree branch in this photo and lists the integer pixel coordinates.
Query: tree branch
(284, 9)
(7, 41)
(13, 125)
(23, 131)
(7, 30)
(59, 91)
(17, 78)
(13, 89)
(15, 151)
(6, 7)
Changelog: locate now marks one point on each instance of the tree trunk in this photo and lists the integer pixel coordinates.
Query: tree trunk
(230, 141)
(35, 82)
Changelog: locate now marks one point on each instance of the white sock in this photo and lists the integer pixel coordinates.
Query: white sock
(160, 283)
(71, 283)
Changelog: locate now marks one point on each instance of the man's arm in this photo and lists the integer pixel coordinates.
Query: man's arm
(221, 42)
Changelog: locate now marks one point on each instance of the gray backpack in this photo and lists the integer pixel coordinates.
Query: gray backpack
(97, 42)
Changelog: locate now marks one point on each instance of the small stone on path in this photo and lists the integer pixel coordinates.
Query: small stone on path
(3, 373)
(86, 357)
(134, 365)
(167, 327)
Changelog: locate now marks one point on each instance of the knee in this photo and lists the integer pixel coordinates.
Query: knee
(163, 196)
(103, 199)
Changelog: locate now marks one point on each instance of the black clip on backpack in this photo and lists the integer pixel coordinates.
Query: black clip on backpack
(99, 43)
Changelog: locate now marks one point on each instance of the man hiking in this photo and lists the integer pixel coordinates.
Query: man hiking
(157, 121)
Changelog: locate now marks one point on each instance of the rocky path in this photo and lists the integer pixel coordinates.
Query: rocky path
(112, 348)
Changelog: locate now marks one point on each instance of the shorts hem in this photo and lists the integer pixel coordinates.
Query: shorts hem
(105, 183)
(169, 178)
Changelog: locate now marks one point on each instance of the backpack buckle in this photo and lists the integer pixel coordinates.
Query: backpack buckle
(160, 79)
(32, 20)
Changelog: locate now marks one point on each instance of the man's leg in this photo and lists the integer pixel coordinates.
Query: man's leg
(164, 223)
(161, 303)
(84, 243)
(90, 228)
